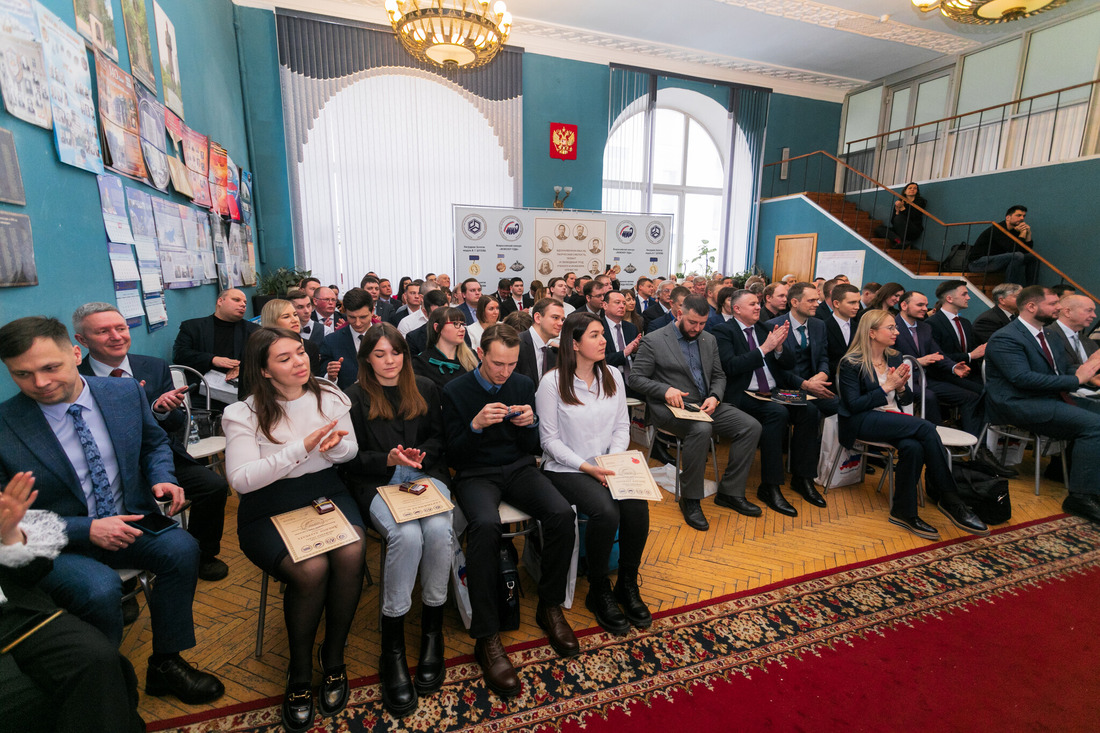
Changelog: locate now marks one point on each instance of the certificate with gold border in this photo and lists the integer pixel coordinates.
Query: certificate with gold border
(632, 479)
(309, 534)
(405, 506)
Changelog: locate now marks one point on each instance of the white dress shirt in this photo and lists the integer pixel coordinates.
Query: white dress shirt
(576, 434)
(252, 461)
(416, 319)
(540, 355)
(1074, 341)
(845, 327)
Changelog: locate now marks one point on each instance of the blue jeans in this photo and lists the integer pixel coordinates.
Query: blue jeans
(1019, 267)
(424, 543)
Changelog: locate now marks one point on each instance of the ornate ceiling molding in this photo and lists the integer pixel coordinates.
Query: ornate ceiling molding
(871, 26)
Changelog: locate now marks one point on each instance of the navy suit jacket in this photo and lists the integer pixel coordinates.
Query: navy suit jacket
(859, 394)
(470, 314)
(612, 354)
(838, 346)
(927, 345)
(990, 322)
(1063, 349)
(141, 449)
(739, 361)
(337, 345)
(316, 333)
(194, 346)
(819, 350)
(943, 331)
(1021, 386)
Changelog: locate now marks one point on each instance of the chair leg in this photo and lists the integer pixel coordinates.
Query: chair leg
(1038, 458)
(261, 617)
(1065, 469)
(714, 458)
(679, 455)
(145, 580)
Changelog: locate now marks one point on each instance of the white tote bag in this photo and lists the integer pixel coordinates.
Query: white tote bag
(849, 469)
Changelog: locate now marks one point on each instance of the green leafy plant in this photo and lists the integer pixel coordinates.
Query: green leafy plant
(277, 282)
(705, 258)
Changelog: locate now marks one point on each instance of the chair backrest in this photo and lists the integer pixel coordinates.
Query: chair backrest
(180, 379)
(916, 368)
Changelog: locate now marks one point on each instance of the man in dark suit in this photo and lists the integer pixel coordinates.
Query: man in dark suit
(840, 327)
(622, 336)
(382, 309)
(952, 331)
(947, 383)
(471, 294)
(517, 299)
(340, 351)
(325, 315)
(775, 301)
(576, 298)
(538, 345)
(1028, 385)
(824, 311)
(100, 460)
(675, 308)
(303, 308)
(101, 329)
(663, 306)
(1002, 312)
(216, 341)
(804, 362)
(679, 365)
(411, 297)
(646, 294)
(1074, 314)
(504, 290)
(747, 352)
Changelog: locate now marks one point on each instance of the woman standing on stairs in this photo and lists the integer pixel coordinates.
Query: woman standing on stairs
(282, 445)
(398, 425)
(582, 414)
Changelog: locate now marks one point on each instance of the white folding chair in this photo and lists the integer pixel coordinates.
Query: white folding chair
(957, 443)
(210, 446)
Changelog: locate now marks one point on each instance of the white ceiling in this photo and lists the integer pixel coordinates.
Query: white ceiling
(798, 46)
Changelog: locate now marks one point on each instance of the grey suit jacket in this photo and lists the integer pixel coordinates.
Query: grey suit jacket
(659, 364)
(1064, 351)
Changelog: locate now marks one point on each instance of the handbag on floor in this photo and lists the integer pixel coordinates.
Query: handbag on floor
(984, 492)
(509, 587)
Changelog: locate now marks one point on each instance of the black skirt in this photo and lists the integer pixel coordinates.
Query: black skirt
(259, 540)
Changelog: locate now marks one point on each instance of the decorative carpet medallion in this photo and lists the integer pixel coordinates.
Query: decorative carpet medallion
(717, 639)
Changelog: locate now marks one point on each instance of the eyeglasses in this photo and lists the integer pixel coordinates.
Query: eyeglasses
(891, 327)
(457, 324)
(325, 300)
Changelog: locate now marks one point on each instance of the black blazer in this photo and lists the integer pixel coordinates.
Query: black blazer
(859, 395)
(989, 323)
(368, 470)
(948, 338)
(819, 350)
(508, 305)
(837, 344)
(928, 345)
(739, 361)
(194, 345)
(612, 354)
(528, 364)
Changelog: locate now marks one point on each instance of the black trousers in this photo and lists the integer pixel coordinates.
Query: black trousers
(208, 492)
(805, 443)
(606, 515)
(959, 394)
(521, 484)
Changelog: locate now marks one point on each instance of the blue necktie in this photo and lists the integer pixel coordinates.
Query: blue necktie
(101, 485)
(802, 337)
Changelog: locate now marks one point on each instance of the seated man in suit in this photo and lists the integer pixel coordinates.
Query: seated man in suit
(516, 300)
(576, 298)
(840, 327)
(804, 362)
(594, 292)
(325, 315)
(679, 365)
(746, 349)
(775, 301)
(622, 336)
(1028, 385)
(414, 315)
(824, 310)
(100, 460)
(954, 332)
(646, 290)
(216, 341)
(1002, 312)
(303, 308)
(101, 329)
(662, 307)
(340, 351)
(382, 310)
(947, 383)
(674, 312)
(538, 345)
(1075, 313)
(471, 294)
(491, 434)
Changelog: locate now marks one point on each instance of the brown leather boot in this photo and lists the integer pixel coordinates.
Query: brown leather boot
(550, 619)
(500, 675)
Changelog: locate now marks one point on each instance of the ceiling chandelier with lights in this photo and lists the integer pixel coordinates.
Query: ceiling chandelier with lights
(985, 12)
(451, 33)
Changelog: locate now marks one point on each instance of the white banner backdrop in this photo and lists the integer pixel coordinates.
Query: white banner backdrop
(539, 244)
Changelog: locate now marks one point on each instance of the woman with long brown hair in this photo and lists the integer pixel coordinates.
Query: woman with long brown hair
(582, 414)
(446, 354)
(282, 444)
(487, 313)
(398, 425)
(887, 297)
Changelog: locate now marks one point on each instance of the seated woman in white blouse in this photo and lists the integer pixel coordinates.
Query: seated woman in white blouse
(582, 414)
(282, 444)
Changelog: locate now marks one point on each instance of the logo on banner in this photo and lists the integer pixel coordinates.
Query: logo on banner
(563, 141)
(655, 233)
(473, 226)
(626, 232)
(511, 228)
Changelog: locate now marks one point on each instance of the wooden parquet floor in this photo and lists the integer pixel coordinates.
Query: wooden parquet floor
(681, 566)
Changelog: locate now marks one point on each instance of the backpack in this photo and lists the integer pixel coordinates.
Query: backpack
(956, 259)
(984, 492)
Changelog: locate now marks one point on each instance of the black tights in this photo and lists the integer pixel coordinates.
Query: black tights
(331, 583)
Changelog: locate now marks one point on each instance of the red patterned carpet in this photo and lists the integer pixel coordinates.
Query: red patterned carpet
(981, 634)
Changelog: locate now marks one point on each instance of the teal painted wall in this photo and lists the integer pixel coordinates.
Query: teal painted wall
(576, 93)
(63, 201)
(803, 125)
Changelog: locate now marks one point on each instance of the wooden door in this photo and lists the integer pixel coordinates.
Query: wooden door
(795, 254)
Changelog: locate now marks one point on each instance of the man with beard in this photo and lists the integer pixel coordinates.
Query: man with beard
(1028, 387)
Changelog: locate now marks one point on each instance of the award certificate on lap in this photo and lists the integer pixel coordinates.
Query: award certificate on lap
(683, 414)
(632, 479)
(406, 506)
(309, 534)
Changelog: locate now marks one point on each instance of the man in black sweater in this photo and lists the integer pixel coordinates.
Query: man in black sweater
(492, 437)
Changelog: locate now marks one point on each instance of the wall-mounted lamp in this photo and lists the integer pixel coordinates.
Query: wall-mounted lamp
(559, 200)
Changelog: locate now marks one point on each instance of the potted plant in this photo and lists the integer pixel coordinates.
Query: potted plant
(275, 284)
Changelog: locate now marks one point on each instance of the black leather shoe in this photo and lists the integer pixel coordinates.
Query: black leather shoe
(693, 514)
(1083, 505)
(398, 693)
(333, 692)
(298, 707)
(660, 453)
(986, 456)
(430, 668)
(177, 677)
(626, 593)
(806, 489)
(500, 676)
(213, 569)
(130, 611)
(917, 526)
(962, 517)
(773, 497)
(603, 606)
(550, 619)
(739, 504)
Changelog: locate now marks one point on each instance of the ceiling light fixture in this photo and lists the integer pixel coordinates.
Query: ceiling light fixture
(451, 33)
(986, 12)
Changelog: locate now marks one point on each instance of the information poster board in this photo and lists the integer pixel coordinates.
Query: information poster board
(539, 244)
(846, 262)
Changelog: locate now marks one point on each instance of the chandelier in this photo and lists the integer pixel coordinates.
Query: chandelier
(985, 12)
(451, 33)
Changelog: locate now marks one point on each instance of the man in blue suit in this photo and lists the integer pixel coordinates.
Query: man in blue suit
(804, 362)
(1028, 387)
(471, 294)
(339, 352)
(100, 459)
(101, 329)
(303, 308)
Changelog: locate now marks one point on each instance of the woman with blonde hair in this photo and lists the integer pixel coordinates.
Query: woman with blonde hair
(872, 386)
(280, 313)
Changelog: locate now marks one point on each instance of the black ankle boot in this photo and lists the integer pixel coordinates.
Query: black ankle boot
(429, 668)
(398, 693)
(626, 593)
